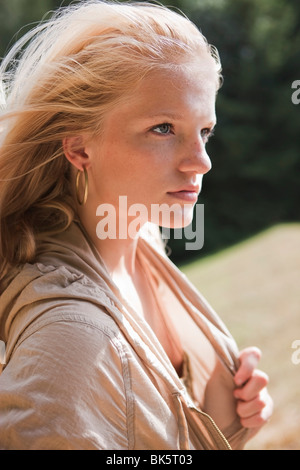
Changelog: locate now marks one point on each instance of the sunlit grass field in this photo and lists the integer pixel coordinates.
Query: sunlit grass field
(255, 288)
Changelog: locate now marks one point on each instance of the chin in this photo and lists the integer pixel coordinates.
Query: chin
(175, 216)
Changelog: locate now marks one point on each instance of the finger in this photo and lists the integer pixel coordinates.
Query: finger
(258, 381)
(254, 421)
(260, 418)
(252, 407)
(249, 359)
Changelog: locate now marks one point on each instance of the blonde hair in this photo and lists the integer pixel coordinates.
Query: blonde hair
(60, 79)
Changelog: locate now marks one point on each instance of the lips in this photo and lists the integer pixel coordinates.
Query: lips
(190, 189)
(187, 189)
(187, 193)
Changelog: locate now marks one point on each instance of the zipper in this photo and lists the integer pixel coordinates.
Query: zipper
(214, 425)
(218, 430)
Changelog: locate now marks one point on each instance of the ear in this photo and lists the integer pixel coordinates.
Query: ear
(75, 151)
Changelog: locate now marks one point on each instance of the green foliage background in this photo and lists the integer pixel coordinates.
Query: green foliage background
(255, 153)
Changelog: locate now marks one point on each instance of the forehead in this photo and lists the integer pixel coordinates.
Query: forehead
(186, 89)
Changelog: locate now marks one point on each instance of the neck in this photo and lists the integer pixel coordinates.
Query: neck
(118, 255)
(117, 252)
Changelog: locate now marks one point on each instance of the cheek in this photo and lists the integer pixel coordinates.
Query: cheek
(135, 167)
(112, 166)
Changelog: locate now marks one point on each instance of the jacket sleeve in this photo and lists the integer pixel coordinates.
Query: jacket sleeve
(64, 388)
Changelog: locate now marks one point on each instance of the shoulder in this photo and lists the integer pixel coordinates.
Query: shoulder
(68, 376)
(57, 322)
(67, 315)
(43, 294)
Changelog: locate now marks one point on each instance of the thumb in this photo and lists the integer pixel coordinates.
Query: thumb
(249, 358)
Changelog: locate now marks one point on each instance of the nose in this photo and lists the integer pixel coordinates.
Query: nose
(195, 158)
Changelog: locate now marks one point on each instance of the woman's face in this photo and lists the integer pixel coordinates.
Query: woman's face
(152, 149)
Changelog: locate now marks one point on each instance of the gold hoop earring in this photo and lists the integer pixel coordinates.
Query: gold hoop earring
(82, 201)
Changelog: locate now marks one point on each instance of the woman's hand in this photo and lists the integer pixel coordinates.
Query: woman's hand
(254, 404)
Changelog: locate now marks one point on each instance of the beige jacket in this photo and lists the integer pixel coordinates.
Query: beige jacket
(85, 371)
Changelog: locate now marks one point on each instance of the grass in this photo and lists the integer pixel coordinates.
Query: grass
(255, 288)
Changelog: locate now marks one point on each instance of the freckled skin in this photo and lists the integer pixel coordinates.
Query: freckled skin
(154, 142)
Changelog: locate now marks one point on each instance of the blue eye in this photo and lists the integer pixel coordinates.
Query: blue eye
(206, 134)
(163, 129)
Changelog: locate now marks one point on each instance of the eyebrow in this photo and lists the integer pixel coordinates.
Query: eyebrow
(172, 116)
(175, 117)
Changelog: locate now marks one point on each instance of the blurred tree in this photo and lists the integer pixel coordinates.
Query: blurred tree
(16, 16)
(256, 150)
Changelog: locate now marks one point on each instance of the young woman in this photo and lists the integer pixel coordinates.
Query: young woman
(108, 110)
